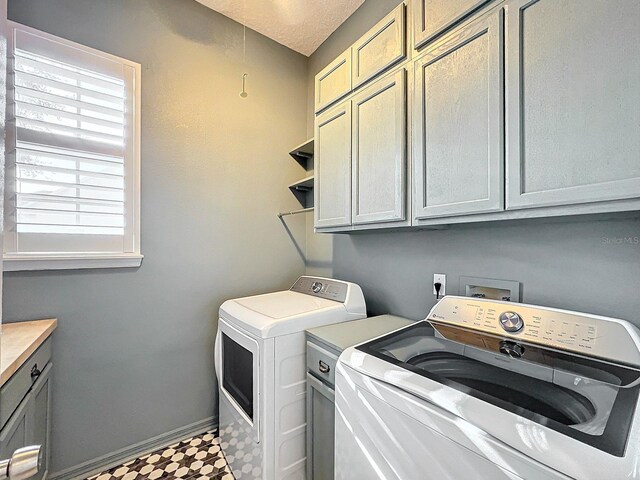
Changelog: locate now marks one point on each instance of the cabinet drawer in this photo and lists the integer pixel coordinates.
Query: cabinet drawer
(381, 47)
(333, 82)
(321, 363)
(20, 383)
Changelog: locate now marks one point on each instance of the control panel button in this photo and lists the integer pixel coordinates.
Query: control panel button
(511, 322)
(316, 287)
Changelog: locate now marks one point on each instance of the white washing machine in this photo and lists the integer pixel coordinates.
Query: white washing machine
(492, 390)
(261, 368)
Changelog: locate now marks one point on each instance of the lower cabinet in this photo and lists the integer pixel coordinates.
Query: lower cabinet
(320, 429)
(30, 423)
(15, 435)
(40, 421)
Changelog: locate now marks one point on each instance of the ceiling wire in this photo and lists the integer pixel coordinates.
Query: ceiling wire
(243, 93)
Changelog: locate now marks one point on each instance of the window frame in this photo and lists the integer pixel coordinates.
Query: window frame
(14, 260)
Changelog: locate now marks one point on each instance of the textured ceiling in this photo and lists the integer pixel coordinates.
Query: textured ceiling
(301, 25)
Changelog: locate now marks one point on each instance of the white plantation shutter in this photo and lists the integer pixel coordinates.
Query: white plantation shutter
(72, 148)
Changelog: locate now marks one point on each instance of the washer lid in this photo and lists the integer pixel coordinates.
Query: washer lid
(281, 313)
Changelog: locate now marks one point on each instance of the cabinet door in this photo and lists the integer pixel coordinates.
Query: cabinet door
(320, 430)
(433, 17)
(379, 151)
(381, 47)
(333, 82)
(572, 102)
(40, 421)
(333, 167)
(15, 433)
(458, 123)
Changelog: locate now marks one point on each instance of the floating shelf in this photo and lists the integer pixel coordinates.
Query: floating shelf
(302, 190)
(303, 153)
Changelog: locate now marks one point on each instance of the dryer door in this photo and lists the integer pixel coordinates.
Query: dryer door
(237, 359)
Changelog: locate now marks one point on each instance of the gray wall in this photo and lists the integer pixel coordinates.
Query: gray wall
(133, 351)
(585, 265)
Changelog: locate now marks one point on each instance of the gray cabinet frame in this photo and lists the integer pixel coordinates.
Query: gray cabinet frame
(316, 387)
(492, 26)
(517, 198)
(396, 136)
(339, 191)
(29, 424)
(423, 34)
(394, 21)
(340, 67)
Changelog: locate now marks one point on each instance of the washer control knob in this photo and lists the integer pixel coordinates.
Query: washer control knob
(514, 350)
(511, 322)
(316, 287)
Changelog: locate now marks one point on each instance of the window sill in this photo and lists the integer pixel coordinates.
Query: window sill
(20, 263)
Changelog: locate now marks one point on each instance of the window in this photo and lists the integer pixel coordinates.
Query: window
(73, 147)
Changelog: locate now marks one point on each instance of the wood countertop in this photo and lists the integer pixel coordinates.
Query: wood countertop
(19, 341)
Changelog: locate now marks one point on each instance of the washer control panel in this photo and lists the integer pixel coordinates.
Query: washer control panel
(591, 335)
(321, 287)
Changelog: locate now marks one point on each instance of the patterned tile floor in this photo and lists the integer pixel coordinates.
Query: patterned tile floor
(196, 458)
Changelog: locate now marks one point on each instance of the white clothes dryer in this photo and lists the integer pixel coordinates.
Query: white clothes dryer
(261, 368)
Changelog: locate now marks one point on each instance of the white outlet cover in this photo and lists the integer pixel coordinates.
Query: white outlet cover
(442, 278)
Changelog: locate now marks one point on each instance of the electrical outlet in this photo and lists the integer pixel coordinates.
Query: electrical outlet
(442, 278)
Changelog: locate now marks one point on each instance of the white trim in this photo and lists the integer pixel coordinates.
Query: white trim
(98, 56)
(27, 262)
(130, 256)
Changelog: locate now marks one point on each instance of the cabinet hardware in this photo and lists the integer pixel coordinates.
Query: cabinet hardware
(35, 372)
(323, 367)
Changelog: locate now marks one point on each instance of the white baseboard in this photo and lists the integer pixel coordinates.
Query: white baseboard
(131, 452)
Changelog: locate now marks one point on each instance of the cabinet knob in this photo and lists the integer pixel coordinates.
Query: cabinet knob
(35, 372)
(323, 367)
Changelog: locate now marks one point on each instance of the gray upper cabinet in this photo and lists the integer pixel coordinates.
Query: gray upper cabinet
(457, 134)
(379, 151)
(431, 18)
(381, 47)
(333, 82)
(572, 102)
(332, 158)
